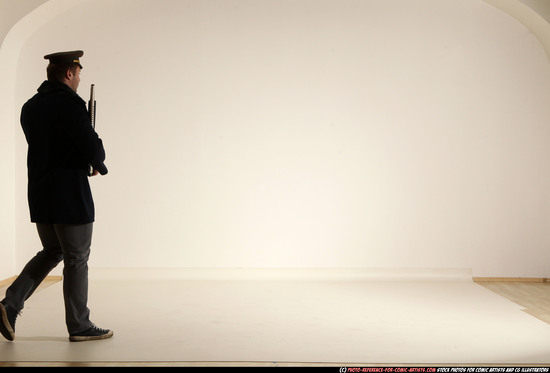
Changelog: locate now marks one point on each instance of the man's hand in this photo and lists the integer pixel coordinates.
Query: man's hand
(97, 169)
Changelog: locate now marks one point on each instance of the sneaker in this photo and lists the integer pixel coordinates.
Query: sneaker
(91, 334)
(7, 321)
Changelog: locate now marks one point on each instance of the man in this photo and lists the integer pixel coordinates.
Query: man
(62, 147)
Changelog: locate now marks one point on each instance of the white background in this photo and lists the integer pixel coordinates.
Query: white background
(307, 133)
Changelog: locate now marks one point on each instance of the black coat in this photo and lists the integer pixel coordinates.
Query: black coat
(62, 145)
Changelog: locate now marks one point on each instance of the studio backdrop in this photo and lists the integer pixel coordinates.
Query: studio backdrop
(307, 133)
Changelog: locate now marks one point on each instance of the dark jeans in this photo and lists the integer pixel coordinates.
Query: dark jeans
(70, 243)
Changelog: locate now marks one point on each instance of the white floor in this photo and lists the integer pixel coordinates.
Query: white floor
(262, 317)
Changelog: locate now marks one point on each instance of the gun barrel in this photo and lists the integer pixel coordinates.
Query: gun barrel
(92, 105)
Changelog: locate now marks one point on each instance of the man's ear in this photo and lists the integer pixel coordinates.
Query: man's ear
(68, 74)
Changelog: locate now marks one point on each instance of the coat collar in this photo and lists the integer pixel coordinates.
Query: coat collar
(49, 86)
(54, 86)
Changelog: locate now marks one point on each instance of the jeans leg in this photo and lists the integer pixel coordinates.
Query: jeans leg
(75, 241)
(36, 269)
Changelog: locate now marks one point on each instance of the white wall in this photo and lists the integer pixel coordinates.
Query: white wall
(10, 13)
(309, 133)
(542, 7)
(7, 190)
(534, 14)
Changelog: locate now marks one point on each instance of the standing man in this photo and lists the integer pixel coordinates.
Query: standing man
(62, 145)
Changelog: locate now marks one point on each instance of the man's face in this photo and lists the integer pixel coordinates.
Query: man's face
(74, 79)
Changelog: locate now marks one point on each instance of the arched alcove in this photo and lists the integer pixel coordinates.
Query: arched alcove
(304, 134)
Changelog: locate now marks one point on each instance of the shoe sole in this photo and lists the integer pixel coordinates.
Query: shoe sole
(5, 327)
(84, 338)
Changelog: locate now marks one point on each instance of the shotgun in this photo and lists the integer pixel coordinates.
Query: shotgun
(92, 111)
(92, 105)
